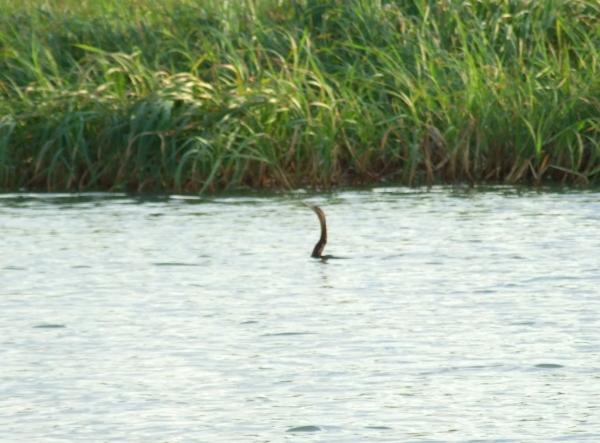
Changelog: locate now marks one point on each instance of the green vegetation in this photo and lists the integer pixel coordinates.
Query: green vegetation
(190, 96)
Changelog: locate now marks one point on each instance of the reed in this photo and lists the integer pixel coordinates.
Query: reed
(190, 96)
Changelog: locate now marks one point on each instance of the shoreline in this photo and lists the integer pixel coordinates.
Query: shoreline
(177, 98)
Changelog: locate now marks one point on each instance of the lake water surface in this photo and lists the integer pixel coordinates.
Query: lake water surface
(458, 315)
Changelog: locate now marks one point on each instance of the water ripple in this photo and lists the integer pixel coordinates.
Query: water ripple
(462, 315)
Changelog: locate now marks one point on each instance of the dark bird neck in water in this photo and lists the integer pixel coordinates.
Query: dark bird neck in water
(318, 251)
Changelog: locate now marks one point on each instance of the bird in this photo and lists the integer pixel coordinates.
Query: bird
(318, 250)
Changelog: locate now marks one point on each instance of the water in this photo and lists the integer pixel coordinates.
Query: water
(458, 316)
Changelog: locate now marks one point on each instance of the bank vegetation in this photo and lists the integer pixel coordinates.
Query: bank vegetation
(196, 96)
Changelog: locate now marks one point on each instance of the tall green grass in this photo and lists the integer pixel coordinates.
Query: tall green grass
(190, 96)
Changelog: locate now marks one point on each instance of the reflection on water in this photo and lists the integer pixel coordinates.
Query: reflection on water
(459, 316)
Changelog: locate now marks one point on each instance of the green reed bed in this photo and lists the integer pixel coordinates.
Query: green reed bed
(191, 96)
